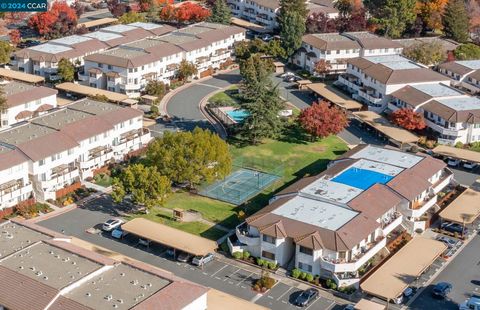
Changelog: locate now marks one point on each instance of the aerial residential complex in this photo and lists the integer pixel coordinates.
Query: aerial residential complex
(333, 223)
(264, 12)
(43, 59)
(453, 115)
(41, 269)
(373, 79)
(465, 74)
(56, 150)
(25, 101)
(336, 48)
(129, 67)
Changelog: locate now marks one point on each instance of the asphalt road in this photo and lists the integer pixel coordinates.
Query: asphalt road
(220, 275)
(463, 272)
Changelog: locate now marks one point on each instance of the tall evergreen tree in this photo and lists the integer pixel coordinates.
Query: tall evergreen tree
(393, 16)
(220, 13)
(292, 19)
(66, 70)
(455, 20)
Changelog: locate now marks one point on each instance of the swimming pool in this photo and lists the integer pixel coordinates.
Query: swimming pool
(361, 178)
(238, 115)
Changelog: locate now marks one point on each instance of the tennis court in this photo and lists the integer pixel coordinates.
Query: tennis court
(239, 186)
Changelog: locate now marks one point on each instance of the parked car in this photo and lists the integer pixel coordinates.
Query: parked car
(454, 228)
(184, 257)
(170, 252)
(453, 162)
(349, 307)
(469, 165)
(471, 304)
(202, 260)
(291, 78)
(441, 290)
(284, 75)
(306, 297)
(119, 233)
(111, 224)
(450, 243)
(266, 37)
(144, 242)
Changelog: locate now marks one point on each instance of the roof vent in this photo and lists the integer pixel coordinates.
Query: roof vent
(120, 301)
(115, 306)
(74, 263)
(32, 268)
(88, 294)
(45, 278)
(39, 273)
(149, 284)
(122, 274)
(20, 267)
(108, 297)
(134, 282)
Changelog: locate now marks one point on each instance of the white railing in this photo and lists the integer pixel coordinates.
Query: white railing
(392, 107)
(427, 204)
(392, 225)
(347, 83)
(368, 97)
(26, 189)
(437, 188)
(445, 131)
(96, 161)
(246, 238)
(60, 180)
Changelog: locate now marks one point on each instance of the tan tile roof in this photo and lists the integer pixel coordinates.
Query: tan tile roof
(29, 95)
(452, 115)
(375, 201)
(86, 128)
(63, 303)
(330, 41)
(411, 95)
(428, 167)
(10, 158)
(47, 145)
(275, 230)
(455, 67)
(409, 184)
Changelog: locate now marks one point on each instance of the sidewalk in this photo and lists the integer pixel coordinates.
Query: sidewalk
(98, 188)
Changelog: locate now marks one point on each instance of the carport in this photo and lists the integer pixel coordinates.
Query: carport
(169, 236)
(334, 96)
(217, 300)
(396, 134)
(365, 304)
(21, 76)
(90, 91)
(248, 25)
(464, 209)
(457, 153)
(403, 268)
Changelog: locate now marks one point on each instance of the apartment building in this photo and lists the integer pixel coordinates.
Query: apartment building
(336, 48)
(25, 101)
(43, 59)
(465, 74)
(67, 145)
(128, 68)
(264, 12)
(372, 79)
(42, 269)
(450, 113)
(331, 224)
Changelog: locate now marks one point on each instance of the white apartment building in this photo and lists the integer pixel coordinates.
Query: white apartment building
(15, 185)
(372, 79)
(128, 68)
(264, 12)
(43, 59)
(465, 74)
(331, 224)
(66, 145)
(25, 101)
(450, 113)
(336, 48)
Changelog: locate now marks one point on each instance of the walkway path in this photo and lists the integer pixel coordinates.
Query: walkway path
(106, 190)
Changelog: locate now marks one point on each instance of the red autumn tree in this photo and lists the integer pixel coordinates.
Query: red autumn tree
(322, 67)
(190, 12)
(15, 36)
(408, 119)
(321, 119)
(60, 20)
(167, 13)
(117, 8)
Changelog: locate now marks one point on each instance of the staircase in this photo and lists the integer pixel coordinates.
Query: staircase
(37, 188)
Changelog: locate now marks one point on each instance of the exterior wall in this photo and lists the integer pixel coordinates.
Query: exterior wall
(198, 304)
(254, 12)
(11, 196)
(8, 116)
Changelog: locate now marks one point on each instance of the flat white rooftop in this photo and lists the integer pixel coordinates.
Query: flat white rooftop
(70, 40)
(119, 28)
(386, 58)
(472, 64)
(333, 191)
(146, 26)
(388, 156)
(438, 90)
(51, 48)
(461, 103)
(401, 65)
(103, 36)
(15, 237)
(377, 167)
(316, 212)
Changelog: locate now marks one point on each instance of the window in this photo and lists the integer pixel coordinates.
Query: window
(268, 239)
(41, 162)
(305, 250)
(110, 67)
(100, 65)
(268, 255)
(70, 152)
(130, 70)
(305, 267)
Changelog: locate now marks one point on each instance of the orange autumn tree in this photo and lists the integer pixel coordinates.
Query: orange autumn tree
(408, 119)
(167, 13)
(430, 12)
(321, 120)
(190, 12)
(15, 36)
(58, 21)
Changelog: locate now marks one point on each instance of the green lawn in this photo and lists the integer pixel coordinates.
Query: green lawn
(103, 179)
(225, 98)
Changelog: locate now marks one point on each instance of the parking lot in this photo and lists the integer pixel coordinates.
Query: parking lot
(221, 274)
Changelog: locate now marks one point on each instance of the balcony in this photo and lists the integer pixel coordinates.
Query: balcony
(367, 94)
(61, 175)
(445, 131)
(97, 157)
(419, 207)
(392, 107)
(357, 261)
(14, 189)
(391, 223)
(131, 139)
(350, 81)
(245, 237)
(445, 179)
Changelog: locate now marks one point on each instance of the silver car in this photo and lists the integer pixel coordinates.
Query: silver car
(202, 260)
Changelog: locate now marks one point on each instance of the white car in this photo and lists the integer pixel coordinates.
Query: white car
(469, 165)
(453, 162)
(287, 74)
(111, 224)
(202, 260)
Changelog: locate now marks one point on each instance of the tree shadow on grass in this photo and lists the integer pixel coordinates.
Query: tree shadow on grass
(294, 134)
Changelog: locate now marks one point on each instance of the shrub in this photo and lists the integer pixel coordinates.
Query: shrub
(237, 255)
(303, 275)
(246, 255)
(309, 277)
(459, 145)
(331, 284)
(266, 282)
(296, 273)
(260, 262)
(272, 265)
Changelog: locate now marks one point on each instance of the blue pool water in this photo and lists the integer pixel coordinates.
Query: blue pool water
(238, 115)
(361, 178)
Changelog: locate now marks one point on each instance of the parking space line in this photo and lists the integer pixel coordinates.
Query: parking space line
(318, 298)
(244, 279)
(331, 305)
(285, 293)
(218, 271)
(230, 275)
(256, 297)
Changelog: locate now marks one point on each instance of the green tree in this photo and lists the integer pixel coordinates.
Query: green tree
(131, 17)
(260, 99)
(468, 51)
(156, 88)
(5, 51)
(191, 157)
(220, 13)
(291, 31)
(66, 70)
(344, 7)
(275, 49)
(186, 70)
(455, 21)
(98, 97)
(145, 185)
(430, 53)
(394, 17)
